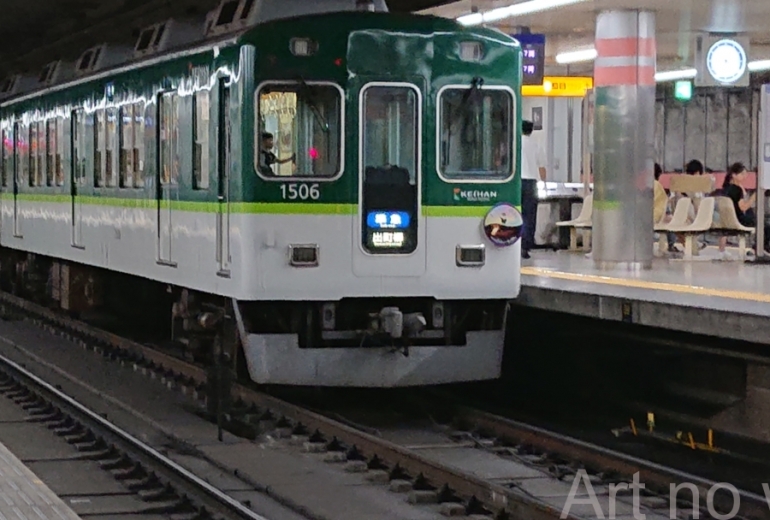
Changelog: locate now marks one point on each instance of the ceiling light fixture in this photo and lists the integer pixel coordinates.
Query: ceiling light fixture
(675, 75)
(576, 56)
(759, 65)
(520, 9)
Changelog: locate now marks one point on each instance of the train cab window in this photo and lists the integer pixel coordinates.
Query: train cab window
(169, 138)
(138, 142)
(390, 116)
(98, 127)
(110, 141)
(300, 130)
(201, 140)
(7, 159)
(476, 126)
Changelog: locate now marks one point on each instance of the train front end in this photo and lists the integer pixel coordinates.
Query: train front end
(386, 158)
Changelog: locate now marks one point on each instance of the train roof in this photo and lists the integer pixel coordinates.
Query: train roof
(172, 40)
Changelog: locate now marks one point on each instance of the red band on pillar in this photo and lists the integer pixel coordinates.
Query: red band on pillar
(625, 47)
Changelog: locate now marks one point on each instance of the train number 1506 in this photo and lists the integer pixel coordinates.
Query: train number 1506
(300, 191)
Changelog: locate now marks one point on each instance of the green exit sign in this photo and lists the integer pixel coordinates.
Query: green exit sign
(683, 90)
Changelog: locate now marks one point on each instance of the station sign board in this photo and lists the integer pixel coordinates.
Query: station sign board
(559, 86)
(533, 57)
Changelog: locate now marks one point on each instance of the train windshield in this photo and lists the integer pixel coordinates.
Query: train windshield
(300, 130)
(476, 127)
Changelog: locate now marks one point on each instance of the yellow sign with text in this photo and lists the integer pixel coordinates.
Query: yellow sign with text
(559, 86)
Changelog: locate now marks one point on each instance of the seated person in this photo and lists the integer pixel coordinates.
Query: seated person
(660, 200)
(267, 158)
(732, 187)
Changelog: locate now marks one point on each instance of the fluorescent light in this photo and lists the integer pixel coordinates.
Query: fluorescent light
(576, 56)
(759, 65)
(675, 75)
(522, 8)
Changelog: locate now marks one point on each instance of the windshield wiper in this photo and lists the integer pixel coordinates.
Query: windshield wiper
(471, 94)
(307, 93)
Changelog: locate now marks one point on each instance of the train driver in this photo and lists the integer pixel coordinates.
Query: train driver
(266, 156)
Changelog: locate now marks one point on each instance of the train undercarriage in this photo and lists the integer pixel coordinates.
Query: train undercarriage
(357, 342)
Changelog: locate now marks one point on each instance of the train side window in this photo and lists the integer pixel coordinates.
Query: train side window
(111, 136)
(99, 148)
(304, 122)
(201, 139)
(41, 154)
(32, 152)
(79, 146)
(7, 151)
(476, 128)
(60, 144)
(50, 148)
(169, 138)
(138, 151)
(22, 158)
(126, 146)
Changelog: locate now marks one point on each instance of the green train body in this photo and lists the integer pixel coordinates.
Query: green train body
(155, 169)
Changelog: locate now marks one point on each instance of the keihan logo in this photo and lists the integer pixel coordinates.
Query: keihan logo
(474, 195)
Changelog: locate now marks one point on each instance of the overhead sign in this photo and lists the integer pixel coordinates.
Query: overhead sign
(722, 61)
(559, 86)
(533, 57)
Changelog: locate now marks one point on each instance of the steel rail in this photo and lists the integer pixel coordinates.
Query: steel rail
(135, 443)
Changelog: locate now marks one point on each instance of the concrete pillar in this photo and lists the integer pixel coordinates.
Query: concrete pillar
(624, 139)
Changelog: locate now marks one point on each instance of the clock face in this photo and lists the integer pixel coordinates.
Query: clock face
(726, 61)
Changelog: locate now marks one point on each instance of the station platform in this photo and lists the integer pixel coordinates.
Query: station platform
(715, 298)
(25, 496)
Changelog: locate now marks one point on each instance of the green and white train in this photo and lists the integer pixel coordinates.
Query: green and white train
(376, 243)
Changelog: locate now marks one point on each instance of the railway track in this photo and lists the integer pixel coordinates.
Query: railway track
(168, 487)
(459, 491)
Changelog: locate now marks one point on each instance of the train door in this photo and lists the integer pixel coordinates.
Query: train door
(20, 165)
(167, 181)
(78, 174)
(391, 240)
(223, 175)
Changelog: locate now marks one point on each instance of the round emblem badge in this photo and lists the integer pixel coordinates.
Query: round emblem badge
(503, 225)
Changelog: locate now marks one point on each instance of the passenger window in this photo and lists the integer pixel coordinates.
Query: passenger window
(390, 165)
(41, 154)
(60, 144)
(169, 138)
(138, 160)
(7, 151)
(98, 148)
(51, 147)
(32, 154)
(110, 158)
(22, 159)
(201, 140)
(476, 127)
(126, 146)
(79, 144)
(300, 131)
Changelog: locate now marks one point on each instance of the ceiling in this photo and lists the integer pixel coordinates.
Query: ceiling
(573, 27)
(36, 32)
